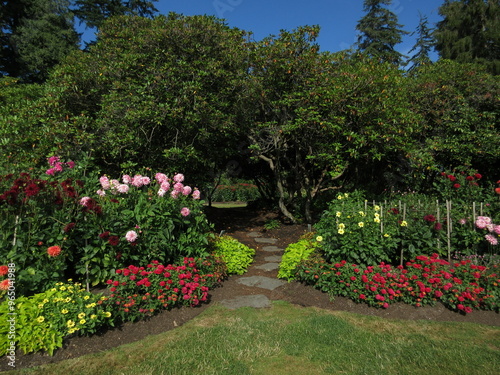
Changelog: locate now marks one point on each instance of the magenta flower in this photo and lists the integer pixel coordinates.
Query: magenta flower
(70, 164)
(58, 167)
(51, 171)
(53, 160)
(131, 236)
(185, 211)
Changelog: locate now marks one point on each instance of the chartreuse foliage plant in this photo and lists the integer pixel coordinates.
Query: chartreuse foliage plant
(295, 253)
(234, 254)
(43, 320)
(460, 285)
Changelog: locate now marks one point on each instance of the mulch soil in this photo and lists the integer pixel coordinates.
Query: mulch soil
(239, 222)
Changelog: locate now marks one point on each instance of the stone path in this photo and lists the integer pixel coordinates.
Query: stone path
(264, 272)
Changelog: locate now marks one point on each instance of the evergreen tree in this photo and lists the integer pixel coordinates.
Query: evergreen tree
(470, 32)
(380, 32)
(94, 12)
(423, 45)
(35, 35)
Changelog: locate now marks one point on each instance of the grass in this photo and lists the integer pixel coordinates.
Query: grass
(229, 204)
(288, 339)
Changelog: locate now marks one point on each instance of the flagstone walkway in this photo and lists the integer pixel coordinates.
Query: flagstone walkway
(261, 276)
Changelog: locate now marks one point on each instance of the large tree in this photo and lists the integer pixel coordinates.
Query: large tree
(470, 32)
(94, 12)
(422, 46)
(380, 32)
(36, 35)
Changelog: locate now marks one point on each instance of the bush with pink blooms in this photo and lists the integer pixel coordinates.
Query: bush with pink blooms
(97, 224)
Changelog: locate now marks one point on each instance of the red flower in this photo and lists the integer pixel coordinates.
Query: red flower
(114, 240)
(4, 285)
(469, 178)
(456, 186)
(54, 251)
(438, 226)
(31, 190)
(478, 176)
(497, 190)
(68, 228)
(430, 218)
(4, 270)
(452, 178)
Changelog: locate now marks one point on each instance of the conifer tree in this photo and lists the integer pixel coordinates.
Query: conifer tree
(423, 45)
(470, 32)
(380, 32)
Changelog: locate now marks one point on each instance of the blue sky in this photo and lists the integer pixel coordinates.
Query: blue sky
(337, 18)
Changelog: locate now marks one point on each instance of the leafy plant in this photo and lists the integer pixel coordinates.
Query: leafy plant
(233, 253)
(295, 253)
(271, 224)
(44, 319)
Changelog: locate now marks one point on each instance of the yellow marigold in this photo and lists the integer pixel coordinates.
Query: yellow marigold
(90, 305)
(40, 319)
(86, 297)
(81, 315)
(70, 323)
(93, 316)
(64, 311)
(83, 321)
(404, 223)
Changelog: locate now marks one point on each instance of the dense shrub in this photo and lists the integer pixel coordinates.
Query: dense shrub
(294, 254)
(233, 253)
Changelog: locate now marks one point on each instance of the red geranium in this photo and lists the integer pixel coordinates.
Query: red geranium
(4, 285)
(4, 270)
(54, 251)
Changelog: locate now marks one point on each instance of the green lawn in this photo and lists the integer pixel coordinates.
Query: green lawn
(288, 339)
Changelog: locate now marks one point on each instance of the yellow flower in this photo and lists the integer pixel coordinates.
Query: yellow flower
(339, 197)
(40, 305)
(81, 315)
(83, 321)
(64, 311)
(341, 231)
(86, 297)
(62, 288)
(377, 214)
(377, 220)
(107, 314)
(70, 280)
(67, 299)
(361, 213)
(361, 224)
(93, 316)
(319, 238)
(70, 323)
(404, 223)
(45, 300)
(386, 235)
(90, 305)
(103, 298)
(72, 330)
(339, 214)
(341, 226)
(40, 319)
(346, 195)
(376, 208)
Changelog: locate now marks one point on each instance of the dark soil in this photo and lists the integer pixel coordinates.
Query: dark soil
(238, 222)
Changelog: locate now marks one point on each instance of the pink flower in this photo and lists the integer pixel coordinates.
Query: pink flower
(101, 193)
(126, 179)
(122, 188)
(185, 211)
(165, 185)
(137, 181)
(196, 194)
(146, 180)
(497, 229)
(51, 171)
(186, 190)
(462, 221)
(105, 182)
(85, 201)
(174, 194)
(161, 177)
(70, 164)
(178, 186)
(53, 160)
(179, 177)
(131, 236)
(491, 239)
(58, 167)
(482, 222)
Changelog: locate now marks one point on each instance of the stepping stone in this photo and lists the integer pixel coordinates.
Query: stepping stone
(264, 282)
(257, 301)
(271, 248)
(265, 240)
(268, 266)
(273, 258)
(254, 234)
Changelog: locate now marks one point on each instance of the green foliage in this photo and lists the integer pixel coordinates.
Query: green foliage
(44, 319)
(294, 254)
(237, 192)
(271, 224)
(233, 253)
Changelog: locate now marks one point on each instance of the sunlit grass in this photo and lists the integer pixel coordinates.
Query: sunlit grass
(287, 339)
